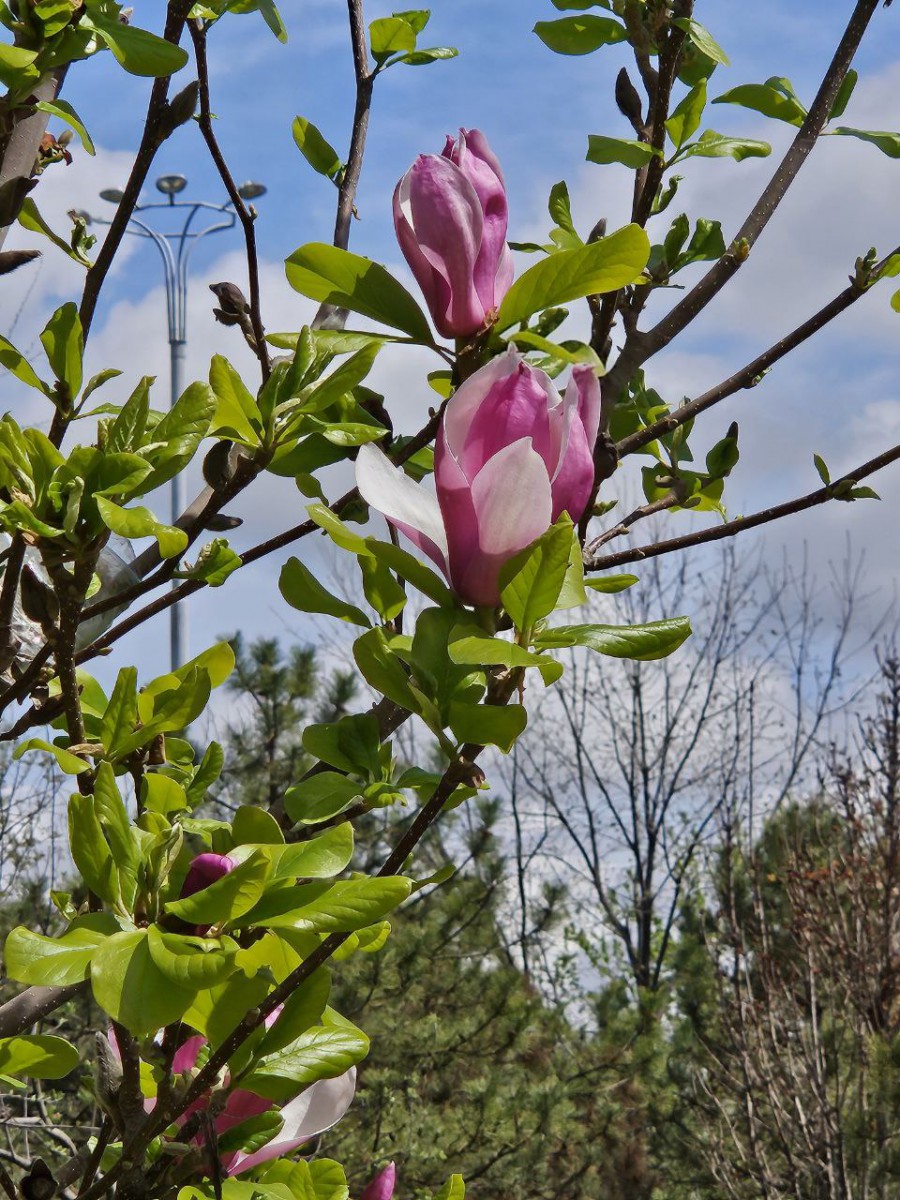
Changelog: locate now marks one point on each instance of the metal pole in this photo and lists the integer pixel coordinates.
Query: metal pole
(178, 620)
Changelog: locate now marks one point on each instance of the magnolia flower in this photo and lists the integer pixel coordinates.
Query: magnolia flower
(511, 456)
(450, 214)
(382, 1186)
(204, 870)
(312, 1112)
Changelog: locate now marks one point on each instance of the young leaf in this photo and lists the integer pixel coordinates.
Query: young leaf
(323, 1052)
(603, 266)
(702, 39)
(390, 35)
(130, 987)
(137, 50)
(887, 143)
(318, 152)
(717, 145)
(580, 35)
(605, 150)
(18, 365)
(228, 898)
(685, 120)
(657, 639)
(488, 725)
(38, 1056)
(320, 797)
(531, 581)
(140, 522)
(765, 99)
(65, 112)
(303, 591)
(330, 275)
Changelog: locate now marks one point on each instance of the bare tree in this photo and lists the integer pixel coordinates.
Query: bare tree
(623, 774)
(798, 1082)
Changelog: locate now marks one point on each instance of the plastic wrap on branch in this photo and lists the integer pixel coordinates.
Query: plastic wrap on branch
(450, 214)
(511, 456)
(116, 575)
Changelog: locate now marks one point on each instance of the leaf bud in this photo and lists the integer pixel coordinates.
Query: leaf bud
(628, 100)
(183, 106)
(39, 1183)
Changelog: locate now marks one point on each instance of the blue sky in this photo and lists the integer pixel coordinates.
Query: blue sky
(839, 396)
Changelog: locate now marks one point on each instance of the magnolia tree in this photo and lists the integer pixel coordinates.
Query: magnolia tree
(208, 944)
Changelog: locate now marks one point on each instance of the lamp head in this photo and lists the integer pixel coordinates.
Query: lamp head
(171, 185)
(251, 190)
(113, 195)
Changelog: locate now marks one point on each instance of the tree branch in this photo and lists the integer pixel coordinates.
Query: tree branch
(247, 217)
(740, 524)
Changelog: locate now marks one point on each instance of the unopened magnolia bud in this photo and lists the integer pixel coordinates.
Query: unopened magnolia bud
(220, 522)
(39, 602)
(183, 106)
(39, 1183)
(11, 260)
(231, 299)
(628, 99)
(219, 464)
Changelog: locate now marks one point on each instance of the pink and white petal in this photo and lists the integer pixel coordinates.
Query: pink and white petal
(443, 210)
(309, 1114)
(382, 1186)
(434, 287)
(512, 500)
(469, 396)
(407, 505)
(185, 1057)
(586, 387)
(571, 488)
(515, 407)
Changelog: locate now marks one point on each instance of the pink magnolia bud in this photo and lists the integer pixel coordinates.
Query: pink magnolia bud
(382, 1186)
(204, 870)
(511, 456)
(450, 214)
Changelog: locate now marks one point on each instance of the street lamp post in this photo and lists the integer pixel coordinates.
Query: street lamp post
(175, 248)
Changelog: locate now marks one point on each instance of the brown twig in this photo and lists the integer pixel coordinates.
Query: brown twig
(740, 524)
(641, 346)
(748, 376)
(19, 150)
(153, 136)
(329, 316)
(246, 216)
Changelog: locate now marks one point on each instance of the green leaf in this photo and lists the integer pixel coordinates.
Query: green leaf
(382, 590)
(272, 18)
(228, 898)
(68, 763)
(121, 712)
(163, 795)
(127, 431)
(321, 857)
(90, 850)
(320, 797)
(390, 35)
(580, 35)
(657, 639)
(191, 962)
(412, 569)
(113, 818)
(762, 98)
(303, 591)
(685, 120)
(17, 69)
(629, 153)
(706, 244)
(65, 112)
(887, 143)
(330, 275)
(215, 562)
(323, 1052)
(237, 412)
(350, 744)
(702, 39)
(130, 987)
(531, 581)
(430, 54)
(318, 152)
(341, 907)
(31, 219)
(140, 522)
(845, 91)
(455, 1188)
(137, 50)
(611, 583)
(717, 145)
(487, 724)
(603, 266)
(303, 1009)
(37, 1055)
(178, 434)
(18, 365)
(56, 962)
(383, 670)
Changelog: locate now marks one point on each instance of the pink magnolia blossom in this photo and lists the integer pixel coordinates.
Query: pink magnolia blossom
(204, 870)
(312, 1112)
(511, 456)
(450, 214)
(382, 1186)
